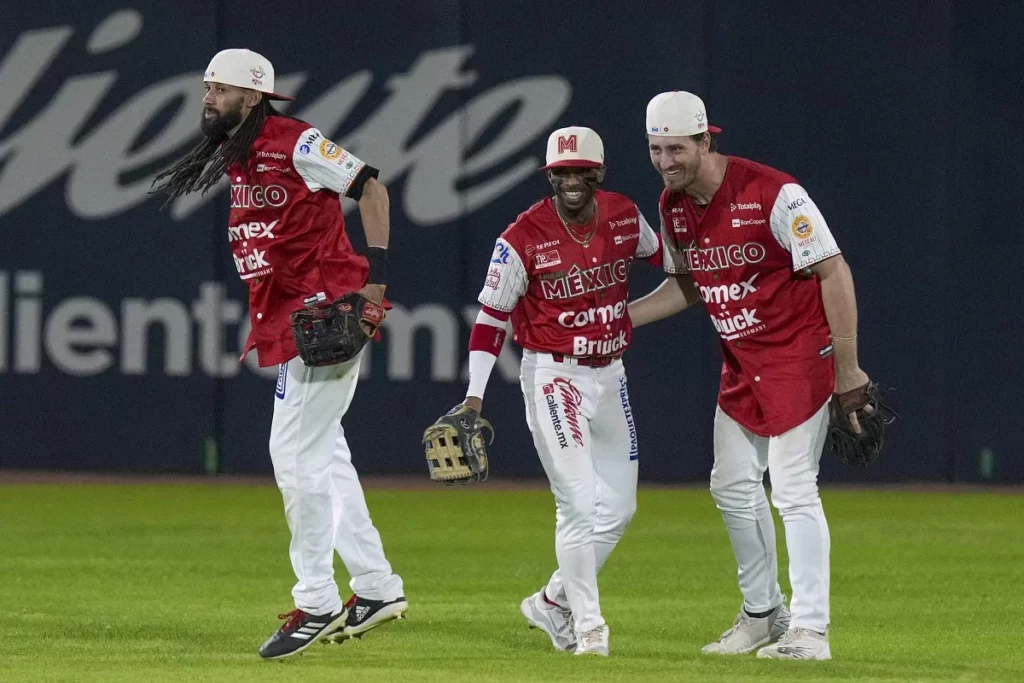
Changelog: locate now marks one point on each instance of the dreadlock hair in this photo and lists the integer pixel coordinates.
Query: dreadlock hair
(206, 163)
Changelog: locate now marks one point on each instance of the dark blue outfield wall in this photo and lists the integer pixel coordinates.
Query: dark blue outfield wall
(120, 323)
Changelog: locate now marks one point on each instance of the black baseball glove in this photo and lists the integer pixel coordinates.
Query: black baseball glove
(850, 447)
(456, 450)
(327, 334)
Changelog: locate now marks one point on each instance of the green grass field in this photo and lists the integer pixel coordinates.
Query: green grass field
(162, 582)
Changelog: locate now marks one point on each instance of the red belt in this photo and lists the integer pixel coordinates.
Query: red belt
(589, 361)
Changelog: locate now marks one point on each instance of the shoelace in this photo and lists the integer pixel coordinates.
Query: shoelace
(568, 629)
(294, 619)
(790, 636)
(590, 637)
(741, 619)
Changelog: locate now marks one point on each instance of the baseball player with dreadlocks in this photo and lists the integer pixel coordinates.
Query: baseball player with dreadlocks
(287, 234)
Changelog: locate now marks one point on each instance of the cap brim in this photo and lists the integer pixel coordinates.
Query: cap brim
(578, 163)
(714, 130)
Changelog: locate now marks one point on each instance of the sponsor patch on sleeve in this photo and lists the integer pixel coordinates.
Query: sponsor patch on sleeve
(802, 228)
(329, 150)
(493, 277)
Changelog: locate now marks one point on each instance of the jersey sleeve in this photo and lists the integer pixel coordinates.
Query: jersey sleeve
(323, 164)
(648, 244)
(506, 278)
(673, 258)
(800, 228)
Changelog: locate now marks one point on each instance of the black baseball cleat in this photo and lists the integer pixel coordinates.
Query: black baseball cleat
(364, 615)
(300, 631)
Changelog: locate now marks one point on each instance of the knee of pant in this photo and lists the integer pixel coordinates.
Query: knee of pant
(732, 493)
(612, 521)
(624, 512)
(788, 495)
(304, 480)
(578, 517)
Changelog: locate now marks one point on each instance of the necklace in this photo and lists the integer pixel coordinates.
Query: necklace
(589, 232)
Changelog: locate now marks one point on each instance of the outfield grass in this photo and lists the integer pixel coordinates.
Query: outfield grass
(182, 583)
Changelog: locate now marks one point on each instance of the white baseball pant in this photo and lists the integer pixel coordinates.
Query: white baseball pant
(583, 430)
(323, 499)
(737, 486)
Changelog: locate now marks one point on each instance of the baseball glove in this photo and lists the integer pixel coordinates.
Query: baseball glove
(850, 447)
(456, 452)
(327, 334)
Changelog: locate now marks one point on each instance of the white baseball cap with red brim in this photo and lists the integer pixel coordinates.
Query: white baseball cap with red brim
(678, 113)
(574, 146)
(243, 69)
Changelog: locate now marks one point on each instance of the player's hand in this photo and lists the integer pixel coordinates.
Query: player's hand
(474, 403)
(847, 381)
(374, 293)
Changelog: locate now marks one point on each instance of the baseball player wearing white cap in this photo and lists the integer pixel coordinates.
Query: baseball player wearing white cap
(289, 245)
(559, 273)
(747, 241)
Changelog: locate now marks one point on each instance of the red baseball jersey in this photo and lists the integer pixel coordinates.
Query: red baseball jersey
(565, 297)
(287, 232)
(749, 252)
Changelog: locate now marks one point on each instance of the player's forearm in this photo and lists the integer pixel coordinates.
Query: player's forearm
(481, 364)
(840, 303)
(485, 342)
(675, 294)
(374, 210)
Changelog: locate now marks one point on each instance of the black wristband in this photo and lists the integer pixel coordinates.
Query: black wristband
(378, 259)
(355, 190)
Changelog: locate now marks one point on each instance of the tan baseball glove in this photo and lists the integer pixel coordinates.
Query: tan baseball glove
(456, 450)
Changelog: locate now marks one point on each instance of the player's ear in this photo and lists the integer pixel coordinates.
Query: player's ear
(600, 175)
(252, 98)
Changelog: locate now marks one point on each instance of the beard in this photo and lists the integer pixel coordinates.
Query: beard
(673, 184)
(683, 179)
(217, 128)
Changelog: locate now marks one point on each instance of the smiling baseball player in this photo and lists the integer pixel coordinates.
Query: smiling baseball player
(559, 273)
(747, 242)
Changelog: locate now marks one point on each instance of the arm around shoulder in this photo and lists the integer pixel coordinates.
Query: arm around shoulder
(675, 294)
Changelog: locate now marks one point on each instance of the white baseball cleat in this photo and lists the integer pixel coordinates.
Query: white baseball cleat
(798, 643)
(554, 620)
(594, 642)
(749, 633)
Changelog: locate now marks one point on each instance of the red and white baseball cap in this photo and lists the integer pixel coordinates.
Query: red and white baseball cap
(574, 146)
(243, 69)
(678, 113)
